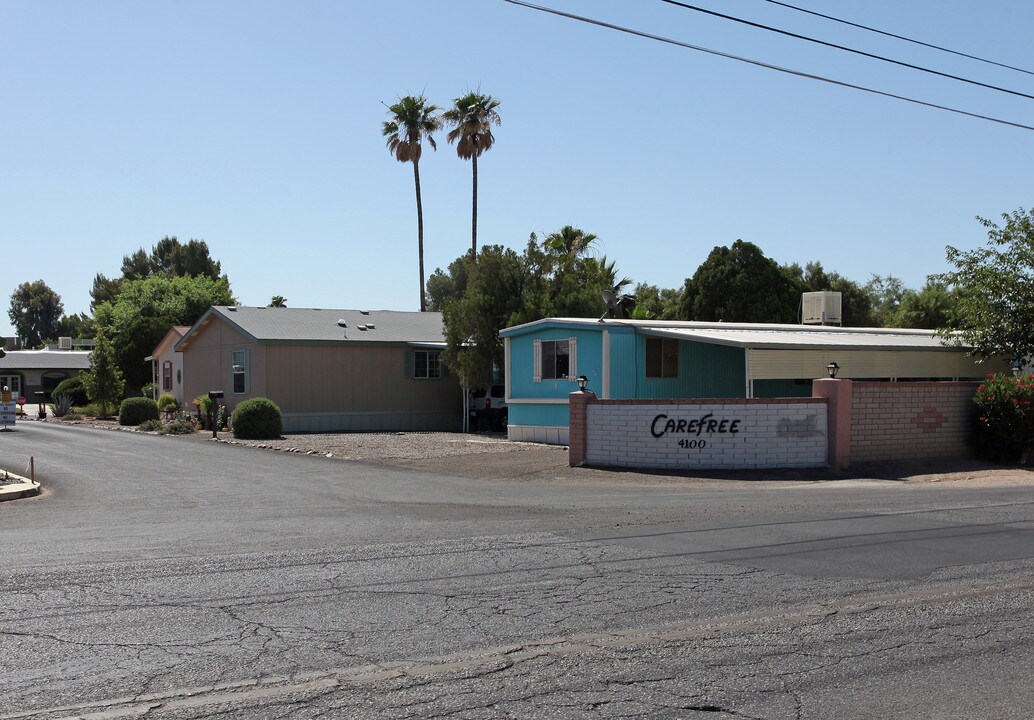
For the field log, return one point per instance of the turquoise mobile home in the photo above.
(650, 359)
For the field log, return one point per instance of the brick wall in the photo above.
(911, 420)
(703, 434)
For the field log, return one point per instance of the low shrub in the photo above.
(182, 424)
(152, 426)
(62, 405)
(256, 419)
(136, 410)
(89, 409)
(73, 415)
(73, 388)
(1005, 417)
(167, 403)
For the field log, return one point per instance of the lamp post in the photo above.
(832, 369)
(582, 382)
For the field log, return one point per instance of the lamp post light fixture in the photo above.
(582, 382)
(832, 369)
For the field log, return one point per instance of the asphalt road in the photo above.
(178, 578)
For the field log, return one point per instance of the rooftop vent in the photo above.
(232, 308)
(362, 327)
(371, 326)
(364, 312)
(342, 323)
(821, 308)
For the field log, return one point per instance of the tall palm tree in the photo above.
(472, 116)
(412, 119)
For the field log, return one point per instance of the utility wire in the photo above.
(694, 8)
(758, 63)
(899, 37)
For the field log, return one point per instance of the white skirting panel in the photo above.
(546, 434)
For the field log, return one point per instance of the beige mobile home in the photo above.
(328, 370)
(167, 365)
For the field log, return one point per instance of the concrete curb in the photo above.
(15, 487)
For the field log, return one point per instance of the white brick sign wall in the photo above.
(712, 435)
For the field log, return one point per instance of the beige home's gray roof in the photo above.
(767, 335)
(45, 360)
(312, 325)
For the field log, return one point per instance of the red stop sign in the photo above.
(21, 401)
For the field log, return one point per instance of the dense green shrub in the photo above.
(167, 403)
(256, 419)
(152, 426)
(73, 388)
(1005, 417)
(136, 410)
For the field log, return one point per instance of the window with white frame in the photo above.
(239, 369)
(556, 359)
(13, 382)
(167, 375)
(427, 365)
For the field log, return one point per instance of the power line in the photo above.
(899, 37)
(758, 63)
(694, 8)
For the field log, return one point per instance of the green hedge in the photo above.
(73, 388)
(256, 419)
(136, 410)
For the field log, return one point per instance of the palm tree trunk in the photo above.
(474, 219)
(420, 233)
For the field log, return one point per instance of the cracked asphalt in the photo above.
(173, 578)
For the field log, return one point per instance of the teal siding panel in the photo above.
(552, 415)
(705, 371)
(624, 366)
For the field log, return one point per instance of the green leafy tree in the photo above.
(476, 305)
(886, 294)
(103, 381)
(144, 310)
(168, 257)
(654, 303)
(35, 312)
(75, 326)
(278, 301)
(740, 284)
(994, 288)
(472, 117)
(104, 290)
(930, 307)
(412, 120)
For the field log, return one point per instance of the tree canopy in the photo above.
(35, 312)
(144, 310)
(740, 284)
(994, 290)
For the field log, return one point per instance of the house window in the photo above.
(427, 365)
(662, 358)
(14, 382)
(167, 375)
(239, 368)
(555, 359)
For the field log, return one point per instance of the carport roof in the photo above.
(315, 325)
(763, 335)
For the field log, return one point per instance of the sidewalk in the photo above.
(13, 487)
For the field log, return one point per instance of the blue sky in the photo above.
(255, 126)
